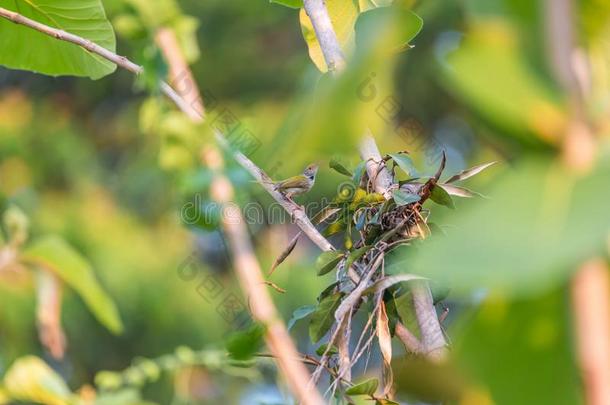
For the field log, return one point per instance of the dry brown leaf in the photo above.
(385, 346)
(274, 286)
(285, 253)
(48, 313)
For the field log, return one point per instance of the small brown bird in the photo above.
(299, 184)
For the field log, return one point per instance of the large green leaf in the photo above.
(244, 344)
(343, 14)
(24, 48)
(327, 261)
(540, 222)
(440, 196)
(367, 387)
(505, 337)
(406, 25)
(324, 317)
(405, 163)
(54, 254)
(491, 74)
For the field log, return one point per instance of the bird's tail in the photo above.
(273, 183)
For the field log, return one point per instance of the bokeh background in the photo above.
(107, 166)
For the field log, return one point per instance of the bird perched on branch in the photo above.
(299, 184)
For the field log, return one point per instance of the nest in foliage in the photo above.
(371, 226)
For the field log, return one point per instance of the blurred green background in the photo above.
(109, 168)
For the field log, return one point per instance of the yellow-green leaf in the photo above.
(31, 379)
(328, 261)
(440, 196)
(367, 387)
(400, 23)
(54, 254)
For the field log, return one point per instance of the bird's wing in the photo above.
(291, 182)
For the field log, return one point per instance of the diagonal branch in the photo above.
(246, 264)
(298, 214)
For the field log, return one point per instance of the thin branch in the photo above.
(297, 213)
(433, 340)
(248, 269)
(75, 39)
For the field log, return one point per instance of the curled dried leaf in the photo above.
(285, 253)
(385, 346)
(465, 174)
(274, 286)
(459, 191)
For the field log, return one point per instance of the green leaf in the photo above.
(399, 24)
(327, 261)
(339, 166)
(405, 163)
(406, 311)
(30, 379)
(324, 317)
(439, 292)
(539, 223)
(54, 254)
(25, 48)
(358, 173)
(404, 198)
(367, 387)
(534, 334)
(335, 227)
(356, 254)
(322, 349)
(289, 3)
(242, 345)
(522, 106)
(327, 291)
(440, 196)
(343, 14)
(300, 313)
